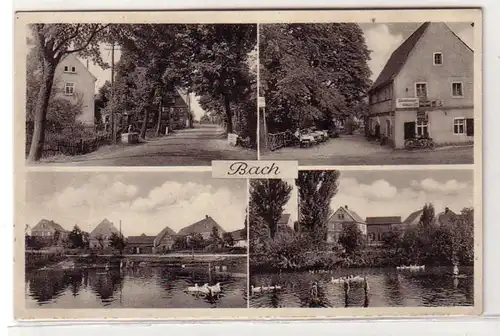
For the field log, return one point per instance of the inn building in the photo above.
(426, 88)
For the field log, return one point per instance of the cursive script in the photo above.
(243, 168)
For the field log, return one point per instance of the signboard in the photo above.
(402, 103)
(262, 102)
(421, 115)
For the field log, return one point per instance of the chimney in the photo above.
(206, 216)
(346, 207)
(446, 210)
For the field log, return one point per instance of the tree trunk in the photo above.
(158, 123)
(229, 116)
(42, 105)
(146, 115)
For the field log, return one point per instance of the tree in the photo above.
(76, 238)
(52, 43)
(311, 73)
(267, 198)
(117, 242)
(219, 61)
(462, 230)
(428, 215)
(351, 238)
(228, 239)
(316, 188)
(215, 239)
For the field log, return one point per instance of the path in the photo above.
(356, 150)
(189, 147)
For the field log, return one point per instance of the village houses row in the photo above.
(163, 242)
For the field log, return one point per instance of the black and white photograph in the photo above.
(367, 93)
(363, 239)
(135, 240)
(140, 94)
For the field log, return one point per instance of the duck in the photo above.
(256, 289)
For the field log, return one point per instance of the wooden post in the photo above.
(113, 126)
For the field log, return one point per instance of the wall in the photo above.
(376, 233)
(381, 101)
(336, 222)
(457, 65)
(84, 86)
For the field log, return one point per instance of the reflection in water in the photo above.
(434, 287)
(143, 287)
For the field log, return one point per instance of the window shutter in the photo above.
(470, 126)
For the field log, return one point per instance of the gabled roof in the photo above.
(383, 220)
(105, 228)
(166, 231)
(48, 224)
(142, 240)
(72, 56)
(351, 213)
(413, 216)
(285, 218)
(445, 218)
(204, 225)
(399, 57)
(239, 234)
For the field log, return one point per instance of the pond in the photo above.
(144, 287)
(432, 287)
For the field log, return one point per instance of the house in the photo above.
(76, 83)
(164, 241)
(49, 232)
(426, 88)
(378, 227)
(140, 244)
(240, 238)
(99, 238)
(203, 227)
(444, 218)
(343, 216)
(178, 103)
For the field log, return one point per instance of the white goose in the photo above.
(256, 289)
(216, 288)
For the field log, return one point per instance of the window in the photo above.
(66, 69)
(457, 90)
(69, 89)
(73, 69)
(422, 128)
(341, 215)
(421, 90)
(459, 126)
(438, 58)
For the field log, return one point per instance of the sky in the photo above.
(399, 193)
(383, 38)
(144, 202)
(292, 205)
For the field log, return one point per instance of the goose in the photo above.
(205, 289)
(256, 289)
(266, 288)
(276, 287)
(337, 281)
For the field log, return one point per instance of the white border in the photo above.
(466, 326)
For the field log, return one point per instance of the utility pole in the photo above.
(113, 127)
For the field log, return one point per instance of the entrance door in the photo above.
(409, 130)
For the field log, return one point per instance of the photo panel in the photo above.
(134, 240)
(140, 94)
(363, 239)
(379, 93)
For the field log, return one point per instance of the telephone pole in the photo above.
(113, 128)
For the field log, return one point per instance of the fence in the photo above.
(75, 147)
(278, 140)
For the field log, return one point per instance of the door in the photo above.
(470, 126)
(409, 128)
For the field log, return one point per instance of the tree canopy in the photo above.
(311, 73)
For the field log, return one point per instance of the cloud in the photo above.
(382, 43)
(448, 187)
(141, 209)
(382, 198)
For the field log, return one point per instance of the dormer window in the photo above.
(438, 58)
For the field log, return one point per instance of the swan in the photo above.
(256, 289)
(216, 288)
(194, 288)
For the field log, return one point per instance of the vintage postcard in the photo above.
(216, 165)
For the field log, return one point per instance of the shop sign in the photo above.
(421, 115)
(402, 103)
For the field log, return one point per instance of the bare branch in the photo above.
(86, 44)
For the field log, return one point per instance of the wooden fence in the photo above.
(279, 140)
(73, 147)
